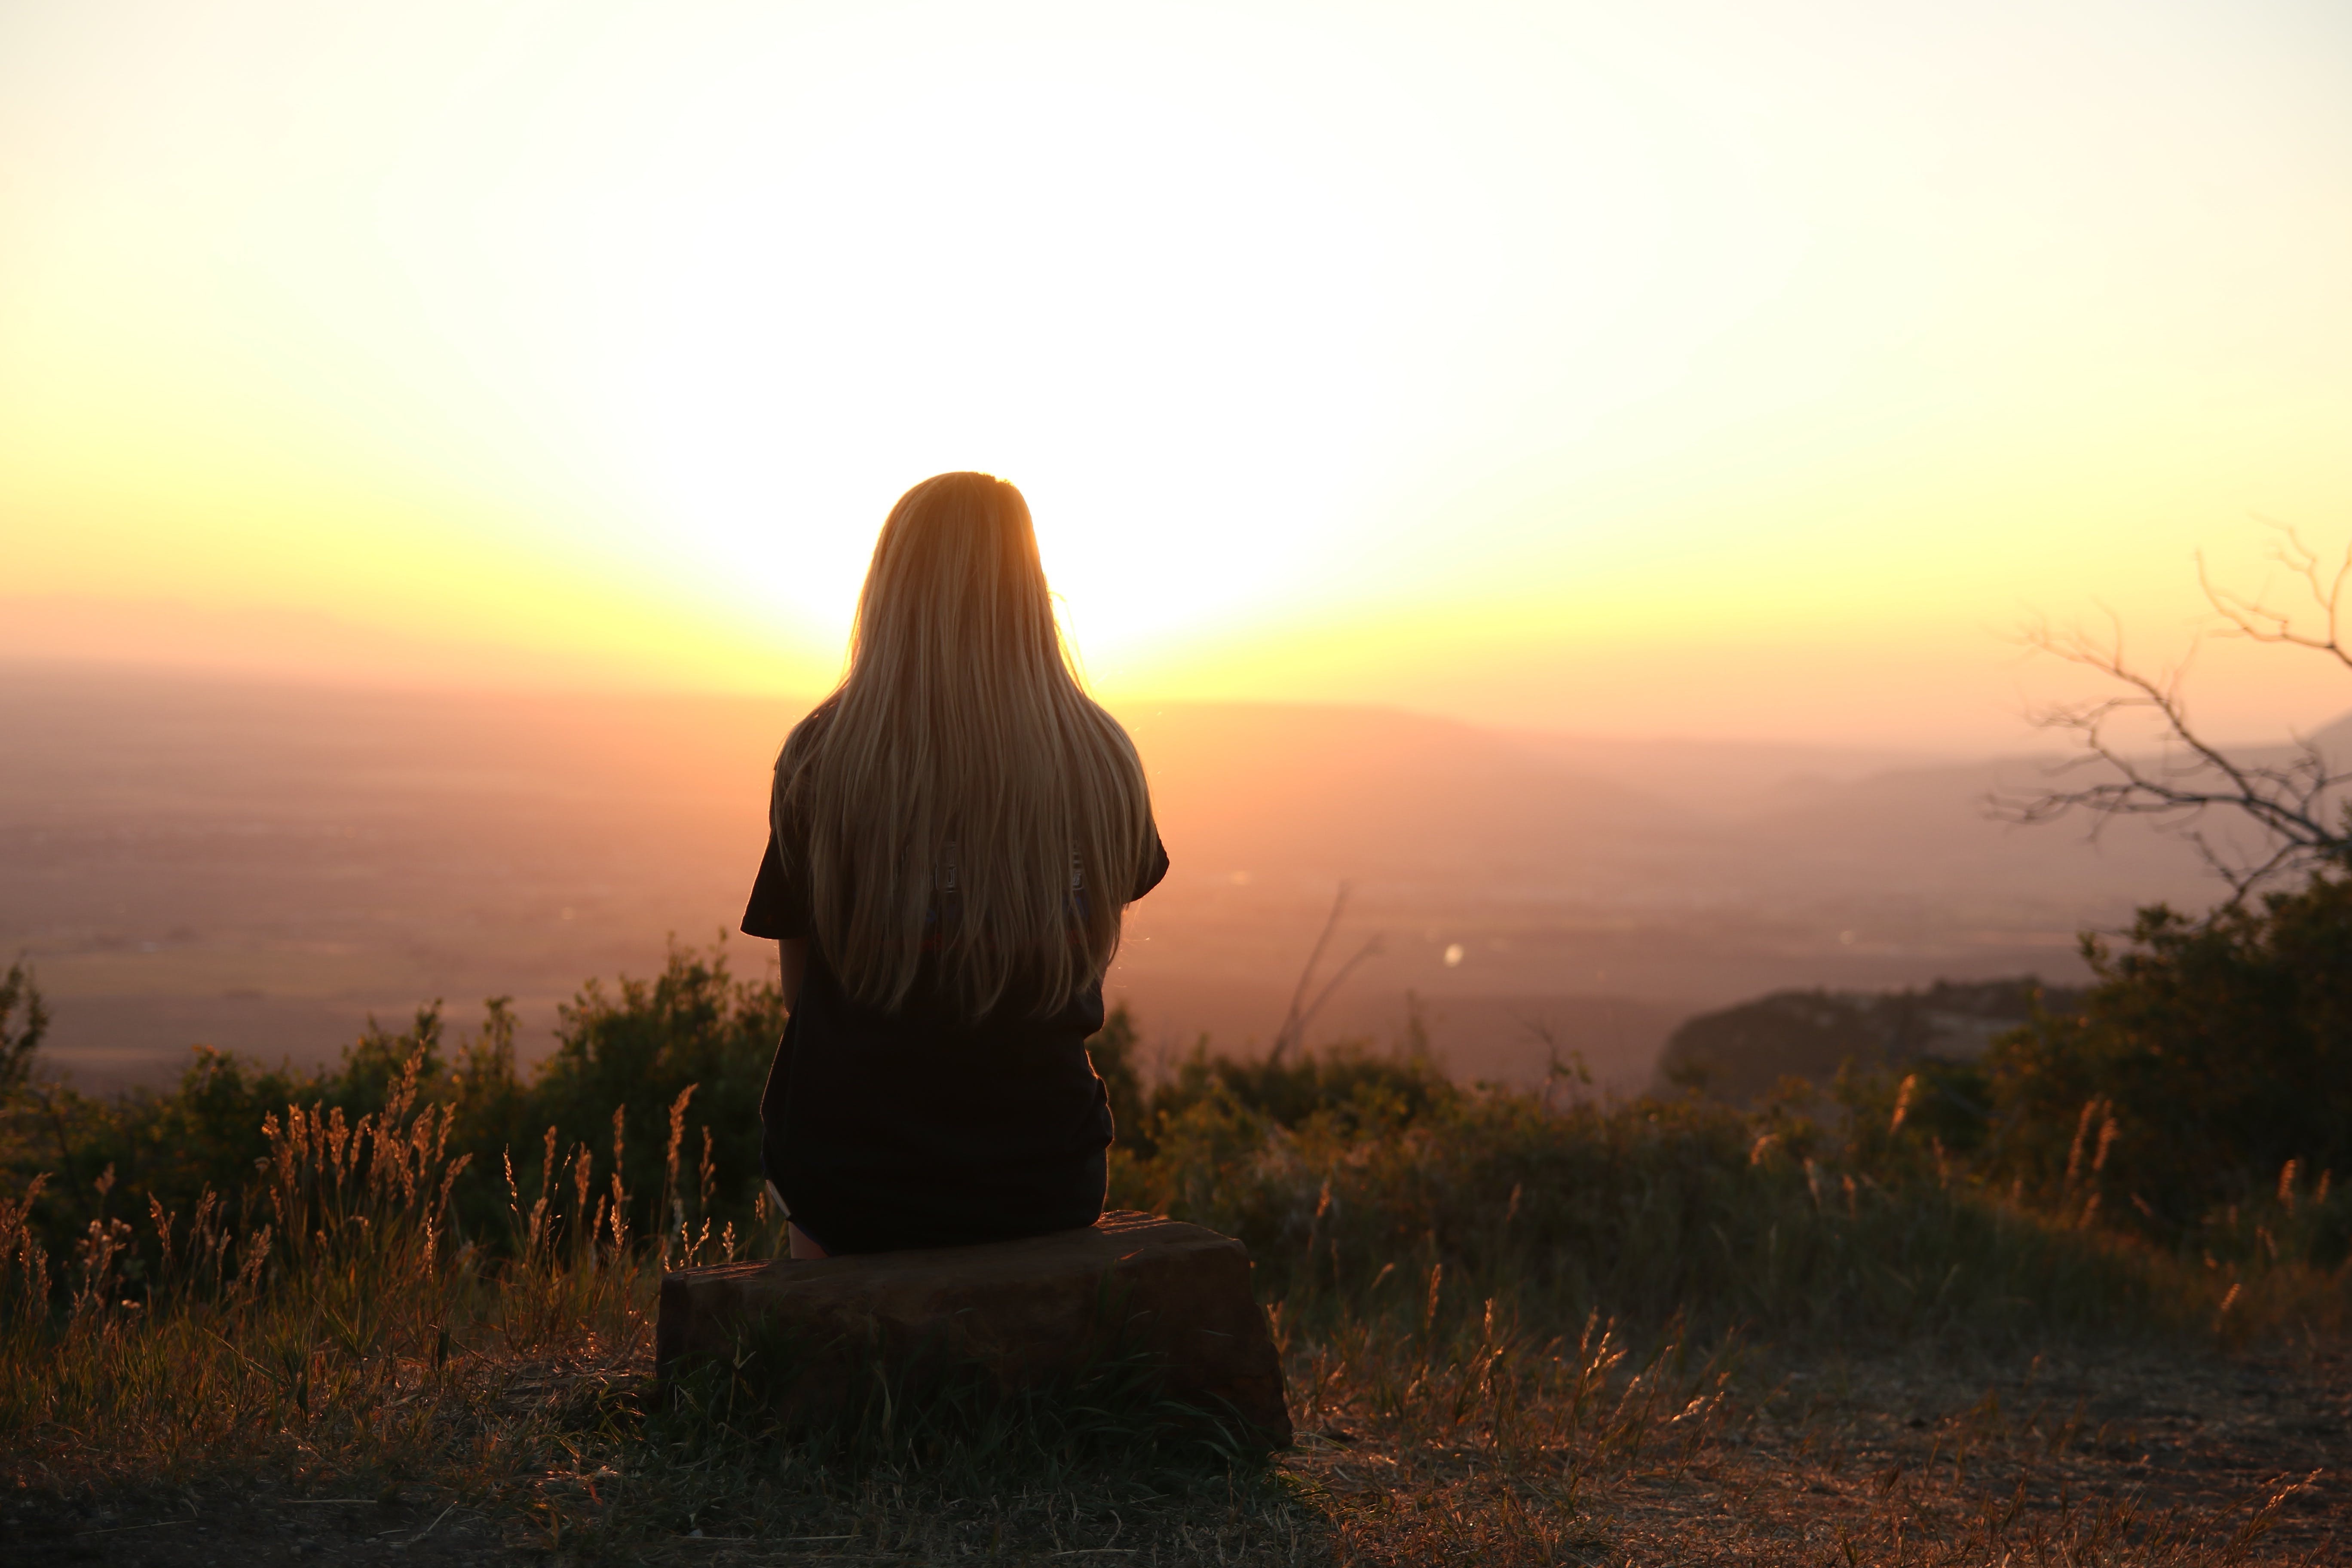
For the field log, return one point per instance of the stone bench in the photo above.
(1023, 1313)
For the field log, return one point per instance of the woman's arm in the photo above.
(792, 960)
(792, 964)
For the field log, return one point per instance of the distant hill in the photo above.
(1328, 792)
(1739, 1054)
(261, 867)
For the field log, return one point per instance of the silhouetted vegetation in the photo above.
(2201, 1094)
(1348, 1087)
(657, 1072)
(2200, 1097)
(2296, 800)
(23, 1021)
(428, 1263)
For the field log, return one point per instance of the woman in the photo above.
(952, 837)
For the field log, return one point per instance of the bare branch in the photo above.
(2256, 621)
(1302, 1012)
(2186, 779)
(1297, 1036)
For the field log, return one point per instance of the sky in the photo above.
(1731, 369)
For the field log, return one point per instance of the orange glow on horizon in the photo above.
(1694, 370)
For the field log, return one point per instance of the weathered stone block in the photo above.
(1023, 1313)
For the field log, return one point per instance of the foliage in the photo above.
(1645, 1212)
(94, 1161)
(319, 1311)
(2211, 1066)
(1348, 1084)
(664, 1074)
(2198, 1095)
(1884, 1203)
(1474, 1282)
(693, 1043)
(18, 1041)
(1116, 1051)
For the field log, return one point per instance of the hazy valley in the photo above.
(260, 867)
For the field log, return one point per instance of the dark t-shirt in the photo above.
(919, 1127)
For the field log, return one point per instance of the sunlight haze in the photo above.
(1735, 369)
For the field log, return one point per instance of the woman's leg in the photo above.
(804, 1246)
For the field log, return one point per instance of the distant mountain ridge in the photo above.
(188, 857)
(1740, 1054)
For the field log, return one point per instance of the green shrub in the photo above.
(2213, 1054)
(1951, 1196)
(666, 1074)
(19, 1040)
(1349, 1082)
(1644, 1211)
(644, 1045)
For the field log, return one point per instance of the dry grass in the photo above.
(1415, 1447)
(1912, 1458)
(327, 1376)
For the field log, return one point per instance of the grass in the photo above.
(1513, 1331)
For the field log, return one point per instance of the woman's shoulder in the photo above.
(806, 733)
(1107, 725)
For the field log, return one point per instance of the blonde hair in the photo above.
(966, 805)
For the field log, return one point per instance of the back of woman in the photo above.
(953, 834)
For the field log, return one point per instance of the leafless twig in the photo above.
(1302, 1012)
(2293, 803)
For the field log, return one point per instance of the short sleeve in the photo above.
(1155, 866)
(779, 906)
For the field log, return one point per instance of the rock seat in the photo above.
(1023, 1313)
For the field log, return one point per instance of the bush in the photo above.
(655, 1082)
(1349, 1083)
(18, 1041)
(1956, 1195)
(1645, 1211)
(2211, 1067)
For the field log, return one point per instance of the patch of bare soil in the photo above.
(2122, 1457)
(2115, 1458)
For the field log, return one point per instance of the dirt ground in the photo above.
(2123, 1459)
(2114, 1458)
(252, 1525)
(2210, 1460)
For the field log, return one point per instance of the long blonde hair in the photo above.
(966, 805)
